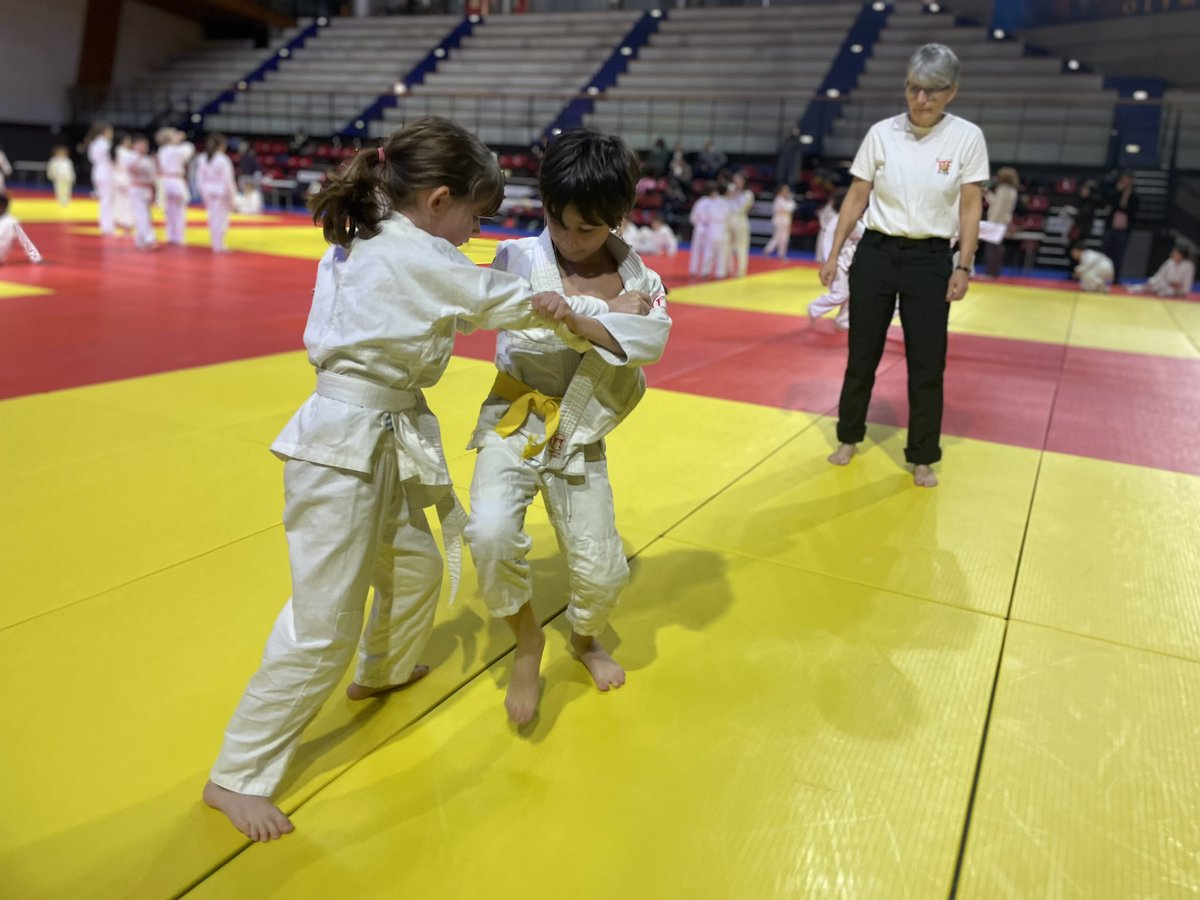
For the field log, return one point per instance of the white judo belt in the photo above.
(417, 457)
(574, 402)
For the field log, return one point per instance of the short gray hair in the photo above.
(933, 65)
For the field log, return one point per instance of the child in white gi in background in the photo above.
(61, 172)
(363, 455)
(173, 155)
(1093, 269)
(214, 178)
(838, 296)
(708, 217)
(1174, 278)
(827, 218)
(99, 154)
(123, 158)
(737, 226)
(658, 239)
(11, 231)
(250, 200)
(542, 428)
(143, 176)
(782, 210)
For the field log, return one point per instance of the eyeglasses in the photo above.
(933, 93)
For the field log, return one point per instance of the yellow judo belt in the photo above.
(524, 400)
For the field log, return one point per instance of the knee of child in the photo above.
(601, 571)
(493, 536)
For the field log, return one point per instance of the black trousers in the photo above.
(918, 271)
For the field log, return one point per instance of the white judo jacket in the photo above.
(599, 388)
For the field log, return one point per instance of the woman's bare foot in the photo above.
(605, 671)
(254, 816)
(525, 683)
(843, 454)
(923, 476)
(356, 691)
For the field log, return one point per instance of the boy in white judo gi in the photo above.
(363, 459)
(838, 295)
(542, 428)
(1174, 278)
(708, 217)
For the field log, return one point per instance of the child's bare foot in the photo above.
(605, 671)
(254, 816)
(923, 476)
(356, 691)
(843, 454)
(525, 683)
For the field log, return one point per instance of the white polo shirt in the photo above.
(916, 179)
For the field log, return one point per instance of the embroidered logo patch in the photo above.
(944, 166)
(556, 444)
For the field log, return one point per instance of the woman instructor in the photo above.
(918, 177)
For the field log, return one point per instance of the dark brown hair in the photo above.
(426, 153)
(214, 142)
(597, 172)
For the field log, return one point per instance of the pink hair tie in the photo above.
(380, 154)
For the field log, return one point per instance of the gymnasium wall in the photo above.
(39, 52)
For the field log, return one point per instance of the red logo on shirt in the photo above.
(944, 166)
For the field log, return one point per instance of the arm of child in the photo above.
(556, 308)
(641, 338)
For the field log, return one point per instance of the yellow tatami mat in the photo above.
(825, 748)
(1111, 553)
(1089, 786)
(863, 523)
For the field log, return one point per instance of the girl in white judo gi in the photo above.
(99, 154)
(838, 296)
(11, 232)
(143, 177)
(542, 428)
(362, 457)
(1174, 278)
(214, 178)
(174, 151)
(737, 227)
(123, 157)
(61, 172)
(708, 216)
(782, 209)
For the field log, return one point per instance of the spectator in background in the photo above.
(249, 168)
(61, 172)
(1001, 204)
(1174, 278)
(679, 172)
(1123, 208)
(709, 161)
(658, 159)
(790, 162)
(1085, 207)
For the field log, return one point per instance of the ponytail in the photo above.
(425, 154)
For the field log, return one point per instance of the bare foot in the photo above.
(525, 683)
(923, 476)
(843, 454)
(605, 671)
(254, 816)
(356, 691)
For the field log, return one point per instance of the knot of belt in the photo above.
(523, 400)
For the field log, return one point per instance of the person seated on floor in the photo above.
(1174, 277)
(1093, 269)
(11, 231)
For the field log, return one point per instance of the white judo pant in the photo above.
(140, 200)
(737, 247)
(781, 236)
(346, 532)
(708, 251)
(837, 298)
(102, 184)
(175, 200)
(1096, 284)
(219, 208)
(581, 511)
